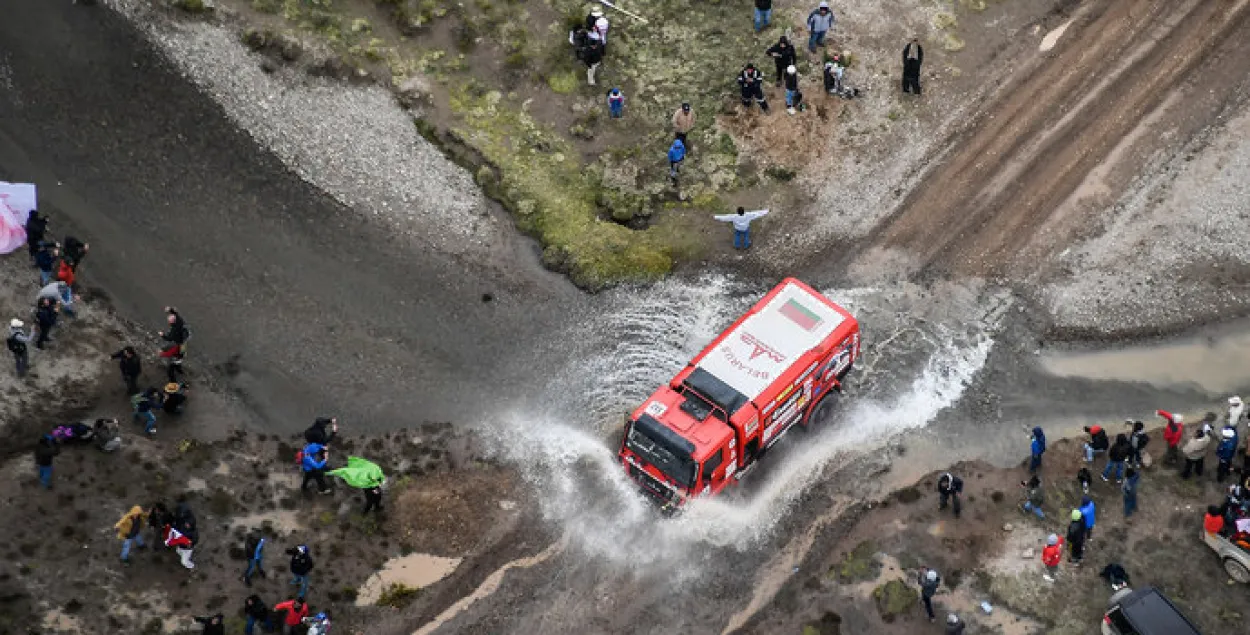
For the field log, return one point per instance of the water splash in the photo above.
(565, 448)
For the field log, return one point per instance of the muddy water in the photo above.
(914, 366)
(416, 571)
(1217, 364)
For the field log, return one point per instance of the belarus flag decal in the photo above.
(800, 315)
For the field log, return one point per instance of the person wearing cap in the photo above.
(1051, 554)
(792, 87)
(1097, 444)
(597, 24)
(683, 123)
(16, 341)
(616, 103)
(954, 625)
(175, 398)
(593, 17)
(1077, 534)
(1195, 452)
(763, 14)
(818, 23)
(913, 57)
(751, 82)
(1131, 478)
(1236, 410)
(783, 55)
(1173, 432)
(591, 54)
(929, 581)
(1225, 451)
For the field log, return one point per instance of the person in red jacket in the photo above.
(1173, 432)
(180, 544)
(1051, 555)
(294, 611)
(1213, 522)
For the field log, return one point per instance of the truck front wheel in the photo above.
(1236, 571)
(822, 413)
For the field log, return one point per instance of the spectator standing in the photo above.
(1130, 491)
(1089, 512)
(130, 530)
(256, 612)
(751, 83)
(254, 546)
(950, 487)
(913, 57)
(742, 225)
(36, 229)
(158, 517)
(1173, 432)
(1137, 441)
(591, 55)
(294, 611)
(1076, 538)
(1097, 443)
(676, 154)
(60, 293)
(616, 103)
(373, 498)
(45, 320)
(17, 342)
(301, 566)
(75, 251)
(46, 260)
(1119, 453)
(783, 55)
(763, 14)
(1037, 447)
(1236, 410)
(818, 23)
(313, 462)
(131, 367)
(1051, 554)
(1225, 451)
(929, 581)
(1034, 496)
(683, 123)
(1195, 452)
(792, 88)
(45, 451)
(322, 431)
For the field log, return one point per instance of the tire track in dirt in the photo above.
(1029, 152)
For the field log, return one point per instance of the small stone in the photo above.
(1027, 554)
(507, 505)
(1008, 527)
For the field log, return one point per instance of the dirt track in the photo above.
(1069, 127)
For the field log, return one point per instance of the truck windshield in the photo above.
(664, 449)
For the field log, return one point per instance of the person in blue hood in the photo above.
(1087, 514)
(1038, 448)
(1225, 451)
(313, 462)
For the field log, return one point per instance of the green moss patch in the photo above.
(859, 565)
(894, 598)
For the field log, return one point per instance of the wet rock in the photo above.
(1008, 527)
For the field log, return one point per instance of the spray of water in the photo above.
(644, 337)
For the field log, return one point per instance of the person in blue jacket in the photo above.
(1088, 510)
(1038, 448)
(313, 462)
(1225, 451)
(676, 154)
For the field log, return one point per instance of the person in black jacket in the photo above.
(158, 517)
(256, 611)
(763, 14)
(45, 451)
(45, 319)
(1120, 452)
(913, 57)
(131, 367)
(36, 229)
(75, 251)
(1077, 533)
(591, 54)
(301, 566)
(783, 56)
(213, 624)
(950, 487)
(751, 81)
(322, 430)
(176, 351)
(46, 260)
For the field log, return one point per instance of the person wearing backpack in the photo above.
(301, 566)
(676, 154)
(254, 547)
(1137, 441)
(131, 367)
(17, 341)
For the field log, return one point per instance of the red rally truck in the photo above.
(780, 364)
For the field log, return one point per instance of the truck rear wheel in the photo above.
(1236, 571)
(822, 413)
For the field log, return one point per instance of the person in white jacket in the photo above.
(742, 225)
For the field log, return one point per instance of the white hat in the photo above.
(823, 5)
(16, 323)
(1228, 433)
(1234, 400)
(931, 575)
(791, 69)
(596, 12)
(952, 619)
(1178, 418)
(1052, 539)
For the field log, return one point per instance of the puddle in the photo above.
(489, 586)
(283, 520)
(1213, 364)
(1052, 38)
(417, 570)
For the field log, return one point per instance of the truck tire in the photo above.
(822, 412)
(1236, 571)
